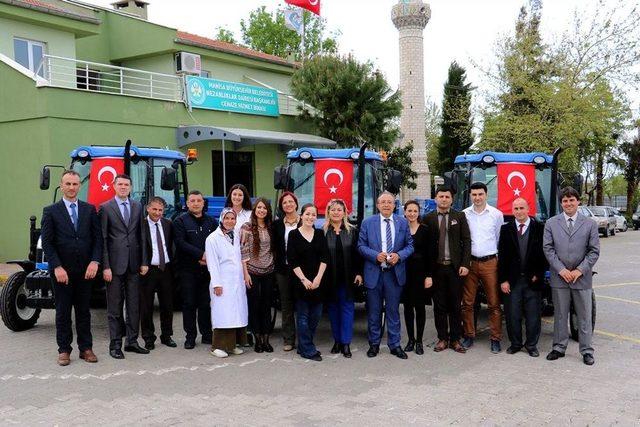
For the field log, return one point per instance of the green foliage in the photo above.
(352, 102)
(432, 119)
(399, 158)
(457, 136)
(266, 32)
(225, 35)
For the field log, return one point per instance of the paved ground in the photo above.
(173, 386)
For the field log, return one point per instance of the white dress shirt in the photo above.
(155, 257)
(485, 230)
(67, 203)
(526, 225)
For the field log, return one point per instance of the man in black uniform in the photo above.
(190, 230)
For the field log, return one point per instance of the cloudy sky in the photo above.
(461, 30)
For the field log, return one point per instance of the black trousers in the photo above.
(154, 281)
(194, 283)
(76, 295)
(123, 288)
(447, 299)
(528, 302)
(260, 296)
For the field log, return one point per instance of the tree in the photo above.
(352, 102)
(266, 32)
(631, 169)
(432, 119)
(457, 124)
(225, 35)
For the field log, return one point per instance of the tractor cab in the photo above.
(533, 176)
(319, 175)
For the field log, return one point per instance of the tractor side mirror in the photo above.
(280, 174)
(578, 183)
(45, 178)
(394, 181)
(168, 179)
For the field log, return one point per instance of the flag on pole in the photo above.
(293, 20)
(311, 5)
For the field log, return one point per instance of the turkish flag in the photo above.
(516, 180)
(101, 176)
(334, 180)
(310, 5)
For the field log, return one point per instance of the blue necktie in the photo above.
(74, 216)
(126, 215)
(389, 236)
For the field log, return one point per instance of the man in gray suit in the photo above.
(124, 251)
(572, 246)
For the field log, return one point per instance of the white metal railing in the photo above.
(95, 77)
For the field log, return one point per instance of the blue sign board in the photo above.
(212, 94)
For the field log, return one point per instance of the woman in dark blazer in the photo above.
(288, 209)
(344, 272)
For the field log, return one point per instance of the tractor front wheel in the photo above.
(15, 313)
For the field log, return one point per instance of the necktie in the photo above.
(521, 229)
(162, 262)
(570, 225)
(126, 214)
(389, 236)
(443, 236)
(74, 216)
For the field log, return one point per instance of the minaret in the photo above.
(410, 18)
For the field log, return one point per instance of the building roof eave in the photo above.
(51, 10)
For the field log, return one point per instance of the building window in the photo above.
(205, 73)
(29, 54)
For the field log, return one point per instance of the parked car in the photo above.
(606, 220)
(586, 212)
(621, 221)
(635, 218)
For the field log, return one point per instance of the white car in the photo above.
(605, 219)
(621, 221)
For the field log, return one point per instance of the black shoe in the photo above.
(399, 353)
(258, 347)
(135, 348)
(373, 351)
(495, 347)
(168, 342)
(206, 340)
(411, 345)
(189, 344)
(250, 342)
(346, 351)
(337, 348)
(419, 348)
(316, 357)
(116, 353)
(533, 352)
(266, 346)
(588, 359)
(513, 349)
(149, 345)
(554, 355)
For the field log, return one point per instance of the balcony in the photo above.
(94, 77)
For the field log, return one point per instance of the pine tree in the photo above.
(457, 136)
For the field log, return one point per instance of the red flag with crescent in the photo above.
(103, 172)
(333, 180)
(310, 5)
(516, 180)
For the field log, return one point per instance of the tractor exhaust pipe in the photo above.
(127, 157)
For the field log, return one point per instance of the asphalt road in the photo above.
(173, 386)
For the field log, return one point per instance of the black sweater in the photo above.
(308, 256)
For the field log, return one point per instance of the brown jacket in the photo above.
(459, 240)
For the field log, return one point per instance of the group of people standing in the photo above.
(227, 271)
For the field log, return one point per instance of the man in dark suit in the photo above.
(72, 243)
(159, 238)
(521, 269)
(449, 258)
(385, 243)
(190, 231)
(124, 258)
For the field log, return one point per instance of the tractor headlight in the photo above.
(305, 155)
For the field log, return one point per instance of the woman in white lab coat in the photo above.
(229, 314)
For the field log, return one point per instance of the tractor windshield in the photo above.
(489, 176)
(138, 178)
(302, 176)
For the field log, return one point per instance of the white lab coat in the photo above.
(225, 266)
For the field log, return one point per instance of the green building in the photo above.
(75, 74)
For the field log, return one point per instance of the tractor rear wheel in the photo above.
(13, 304)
